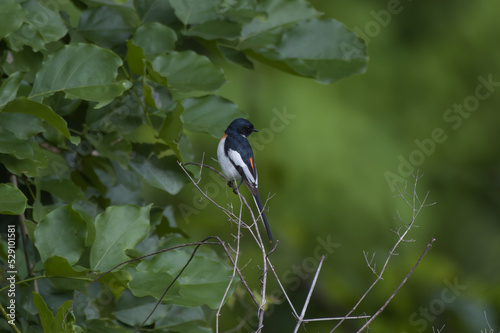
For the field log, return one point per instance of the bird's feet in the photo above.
(231, 185)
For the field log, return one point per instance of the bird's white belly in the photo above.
(227, 167)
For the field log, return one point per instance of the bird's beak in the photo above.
(254, 130)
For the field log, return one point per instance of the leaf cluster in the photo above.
(96, 97)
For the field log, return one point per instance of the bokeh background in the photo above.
(326, 169)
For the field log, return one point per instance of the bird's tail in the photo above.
(256, 198)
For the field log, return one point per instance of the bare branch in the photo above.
(306, 303)
(412, 203)
(205, 241)
(255, 234)
(398, 288)
(334, 318)
(369, 263)
(489, 329)
(439, 330)
(235, 270)
(282, 288)
(172, 283)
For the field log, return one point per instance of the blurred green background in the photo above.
(326, 165)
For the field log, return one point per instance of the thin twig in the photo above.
(398, 288)
(333, 318)
(369, 263)
(260, 243)
(201, 165)
(282, 288)
(255, 234)
(306, 303)
(415, 212)
(7, 319)
(489, 329)
(228, 213)
(235, 269)
(245, 284)
(171, 284)
(205, 241)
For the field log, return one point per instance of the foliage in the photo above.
(95, 100)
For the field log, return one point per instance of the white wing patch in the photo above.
(235, 157)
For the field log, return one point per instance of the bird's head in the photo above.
(242, 126)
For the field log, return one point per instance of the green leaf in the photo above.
(155, 11)
(143, 134)
(132, 311)
(185, 319)
(162, 173)
(117, 229)
(171, 130)
(61, 105)
(81, 71)
(157, 96)
(19, 148)
(42, 25)
(20, 126)
(9, 87)
(47, 22)
(323, 49)
(263, 33)
(46, 316)
(113, 147)
(188, 73)
(12, 200)
(51, 324)
(104, 325)
(155, 39)
(26, 61)
(11, 16)
(235, 56)
(123, 115)
(199, 115)
(23, 105)
(61, 188)
(103, 94)
(43, 163)
(203, 282)
(59, 266)
(104, 26)
(194, 11)
(135, 58)
(61, 233)
(215, 30)
(152, 283)
(117, 282)
(67, 327)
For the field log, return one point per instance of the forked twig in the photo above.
(306, 303)
(415, 211)
(398, 288)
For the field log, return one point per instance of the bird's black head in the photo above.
(241, 126)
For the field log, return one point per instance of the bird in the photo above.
(236, 160)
